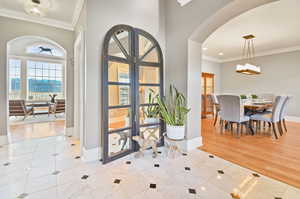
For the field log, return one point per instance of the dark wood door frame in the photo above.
(134, 61)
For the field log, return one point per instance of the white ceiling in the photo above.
(62, 14)
(275, 25)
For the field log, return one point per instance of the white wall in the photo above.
(214, 68)
(280, 75)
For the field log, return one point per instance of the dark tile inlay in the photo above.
(235, 196)
(128, 162)
(159, 152)
(23, 195)
(70, 136)
(156, 165)
(184, 154)
(73, 144)
(55, 172)
(187, 168)
(192, 191)
(117, 181)
(153, 186)
(277, 198)
(6, 164)
(211, 156)
(55, 154)
(84, 177)
(256, 175)
(77, 157)
(220, 171)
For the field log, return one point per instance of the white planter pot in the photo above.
(151, 120)
(176, 132)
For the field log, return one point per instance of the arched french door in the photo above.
(132, 70)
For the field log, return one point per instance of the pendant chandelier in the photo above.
(249, 68)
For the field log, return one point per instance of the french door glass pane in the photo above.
(118, 72)
(144, 45)
(145, 115)
(152, 56)
(149, 75)
(118, 95)
(118, 142)
(152, 132)
(114, 49)
(123, 37)
(119, 118)
(144, 92)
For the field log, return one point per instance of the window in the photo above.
(14, 79)
(44, 79)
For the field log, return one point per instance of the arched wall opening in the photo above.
(36, 67)
(194, 61)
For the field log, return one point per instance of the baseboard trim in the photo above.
(3, 140)
(69, 131)
(293, 119)
(90, 155)
(194, 143)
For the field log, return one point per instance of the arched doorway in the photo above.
(132, 72)
(36, 69)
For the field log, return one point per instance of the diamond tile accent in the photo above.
(128, 162)
(73, 144)
(211, 156)
(187, 168)
(77, 157)
(55, 154)
(55, 172)
(277, 198)
(156, 165)
(84, 177)
(220, 171)
(6, 164)
(256, 175)
(117, 181)
(192, 191)
(159, 152)
(153, 186)
(184, 154)
(21, 196)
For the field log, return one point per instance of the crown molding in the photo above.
(261, 54)
(77, 12)
(45, 21)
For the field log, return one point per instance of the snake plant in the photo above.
(152, 110)
(173, 108)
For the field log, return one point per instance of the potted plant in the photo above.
(151, 112)
(173, 111)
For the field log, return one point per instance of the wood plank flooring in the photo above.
(19, 132)
(278, 159)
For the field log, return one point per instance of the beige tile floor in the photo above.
(50, 168)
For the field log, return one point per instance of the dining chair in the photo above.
(216, 105)
(232, 111)
(283, 113)
(273, 117)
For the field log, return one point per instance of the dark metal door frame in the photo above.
(134, 61)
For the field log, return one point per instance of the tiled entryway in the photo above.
(51, 168)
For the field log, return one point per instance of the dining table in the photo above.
(255, 106)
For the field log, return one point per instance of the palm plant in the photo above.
(173, 108)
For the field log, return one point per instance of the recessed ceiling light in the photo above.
(204, 48)
(221, 54)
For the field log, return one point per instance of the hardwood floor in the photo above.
(20, 132)
(278, 159)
